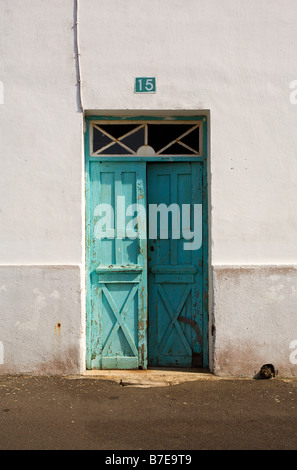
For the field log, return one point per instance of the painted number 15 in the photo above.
(145, 85)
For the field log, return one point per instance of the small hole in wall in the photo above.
(267, 371)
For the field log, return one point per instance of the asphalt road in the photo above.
(47, 413)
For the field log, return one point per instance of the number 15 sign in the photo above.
(145, 85)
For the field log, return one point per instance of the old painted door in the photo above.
(117, 266)
(175, 266)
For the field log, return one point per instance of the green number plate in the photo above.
(145, 85)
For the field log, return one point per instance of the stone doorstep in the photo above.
(157, 377)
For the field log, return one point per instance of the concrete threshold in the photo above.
(155, 377)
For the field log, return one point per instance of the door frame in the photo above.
(202, 157)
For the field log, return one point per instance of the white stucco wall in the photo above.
(40, 320)
(231, 59)
(234, 58)
(41, 135)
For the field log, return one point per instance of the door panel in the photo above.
(175, 271)
(117, 267)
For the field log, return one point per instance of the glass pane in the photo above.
(99, 139)
(161, 135)
(192, 140)
(115, 149)
(135, 140)
(177, 149)
(117, 130)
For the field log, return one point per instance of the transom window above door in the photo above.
(146, 139)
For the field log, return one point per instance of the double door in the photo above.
(145, 265)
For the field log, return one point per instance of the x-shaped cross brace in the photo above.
(120, 319)
(174, 319)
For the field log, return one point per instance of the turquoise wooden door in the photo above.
(175, 267)
(117, 266)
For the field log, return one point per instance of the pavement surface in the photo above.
(107, 412)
